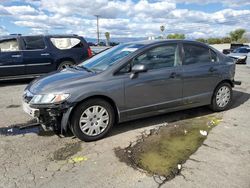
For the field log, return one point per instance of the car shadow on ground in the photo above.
(239, 98)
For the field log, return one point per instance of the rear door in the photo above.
(37, 56)
(200, 73)
(11, 58)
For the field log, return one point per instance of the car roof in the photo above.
(159, 41)
(244, 47)
(49, 35)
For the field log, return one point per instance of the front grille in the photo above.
(27, 96)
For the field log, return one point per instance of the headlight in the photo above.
(49, 98)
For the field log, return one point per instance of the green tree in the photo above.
(237, 35)
(214, 41)
(226, 40)
(176, 36)
(201, 40)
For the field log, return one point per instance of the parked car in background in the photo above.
(131, 81)
(32, 56)
(234, 46)
(240, 54)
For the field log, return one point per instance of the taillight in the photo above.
(89, 52)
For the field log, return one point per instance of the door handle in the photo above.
(212, 69)
(16, 56)
(173, 75)
(45, 54)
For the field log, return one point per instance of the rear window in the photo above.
(195, 54)
(66, 43)
(34, 42)
(10, 45)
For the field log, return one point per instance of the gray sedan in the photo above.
(240, 54)
(131, 81)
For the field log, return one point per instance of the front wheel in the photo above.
(222, 97)
(92, 120)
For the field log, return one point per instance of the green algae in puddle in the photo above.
(161, 152)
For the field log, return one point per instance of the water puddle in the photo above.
(163, 151)
(67, 151)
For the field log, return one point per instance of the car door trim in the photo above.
(10, 66)
(37, 64)
(151, 105)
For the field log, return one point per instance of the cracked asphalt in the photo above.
(28, 160)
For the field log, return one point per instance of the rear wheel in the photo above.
(222, 97)
(92, 120)
(65, 64)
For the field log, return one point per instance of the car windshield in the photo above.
(109, 57)
(236, 50)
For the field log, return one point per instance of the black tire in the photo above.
(75, 125)
(64, 64)
(214, 104)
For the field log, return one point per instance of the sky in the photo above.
(124, 18)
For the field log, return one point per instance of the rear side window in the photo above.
(34, 42)
(66, 43)
(10, 45)
(195, 54)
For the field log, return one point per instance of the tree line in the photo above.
(236, 36)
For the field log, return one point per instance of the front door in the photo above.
(11, 59)
(160, 87)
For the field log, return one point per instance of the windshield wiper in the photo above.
(82, 67)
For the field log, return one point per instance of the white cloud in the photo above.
(227, 3)
(21, 10)
(3, 31)
(124, 18)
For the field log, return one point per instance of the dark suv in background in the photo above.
(31, 56)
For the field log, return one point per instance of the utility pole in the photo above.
(97, 29)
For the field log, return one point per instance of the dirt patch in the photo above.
(162, 152)
(67, 151)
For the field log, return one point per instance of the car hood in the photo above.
(59, 81)
(237, 55)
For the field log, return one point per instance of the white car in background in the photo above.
(240, 54)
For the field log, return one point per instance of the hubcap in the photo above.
(64, 66)
(94, 120)
(223, 96)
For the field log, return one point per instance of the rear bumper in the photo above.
(236, 82)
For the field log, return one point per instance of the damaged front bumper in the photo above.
(52, 116)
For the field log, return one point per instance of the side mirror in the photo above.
(138, 69)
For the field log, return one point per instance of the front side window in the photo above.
(10, 45)
(195, 54)
(34, 42)
(66, 43)
(243, 50)
(159, 57)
